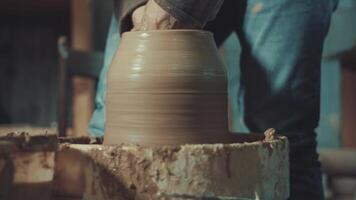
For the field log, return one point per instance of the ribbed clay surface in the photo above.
(166, 87)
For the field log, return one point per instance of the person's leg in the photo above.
(97, 122)
(282, 44)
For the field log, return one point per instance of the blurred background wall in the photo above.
(28, 60)
(29, 31)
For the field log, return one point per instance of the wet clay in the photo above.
(166, 87)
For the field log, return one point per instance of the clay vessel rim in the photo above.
(168, 31)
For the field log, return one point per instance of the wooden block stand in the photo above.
(253, 170)
(27, 166)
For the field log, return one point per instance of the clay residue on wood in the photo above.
(75, 140)
(28, 165)
(80, 140)
(24, 141)
(128, 168)
(270, 134)
(138, 172)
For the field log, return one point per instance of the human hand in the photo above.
(152, 17)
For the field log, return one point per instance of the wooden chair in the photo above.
(347, 61)
(339, 167)
(74, 63)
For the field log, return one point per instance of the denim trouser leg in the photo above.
(97, 122)
(282, 44)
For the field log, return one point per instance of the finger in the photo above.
(156, 16)
(173, 21)
(137, 17)
(165, 23)
(149, 18)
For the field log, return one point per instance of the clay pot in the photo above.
(166, 87)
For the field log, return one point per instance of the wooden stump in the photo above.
(27, 166)
(253, 170)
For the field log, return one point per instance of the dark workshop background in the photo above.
(29, 58)
(29, 31)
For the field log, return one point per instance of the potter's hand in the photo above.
(152, 17)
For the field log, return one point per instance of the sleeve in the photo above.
(196, 12)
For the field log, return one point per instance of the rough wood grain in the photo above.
(83, 88)
(256, 170)
(27, 166)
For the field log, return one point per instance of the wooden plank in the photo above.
(83, 88)
(28, 163)
(348, 125)
(81, 12)
(83, 104)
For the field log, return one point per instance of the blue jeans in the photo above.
(97, 122)
(282, 42)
